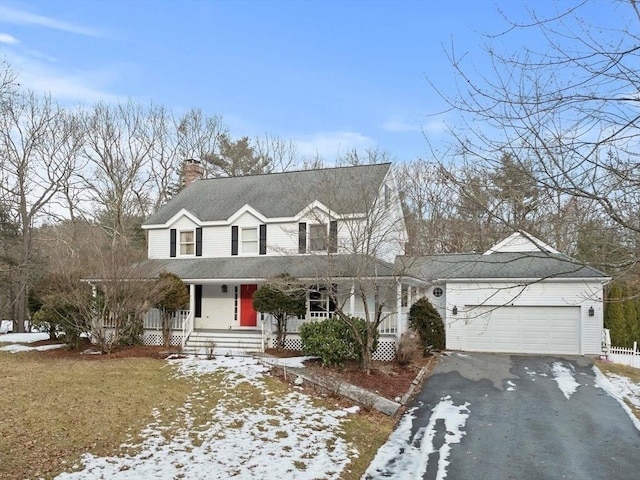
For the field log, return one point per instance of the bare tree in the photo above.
(39, 143)
(354, 253)
(568, 110)
(119, 146)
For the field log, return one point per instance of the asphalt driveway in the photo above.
(492, 416)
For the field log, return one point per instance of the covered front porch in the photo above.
(221, 313)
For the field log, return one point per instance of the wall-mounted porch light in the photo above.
(224, 289)
(454, 310)
(592, 312)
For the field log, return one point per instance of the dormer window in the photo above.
(317, 237)
(187, 242)
(249, 241)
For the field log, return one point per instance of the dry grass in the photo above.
(56, 409)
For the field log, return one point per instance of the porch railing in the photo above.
(187, 328)
(389, 324)
(152, 320)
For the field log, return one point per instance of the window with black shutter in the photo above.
(263, 239)
(333, 236)
(302, 237)
(234, 240)
(198, 242)
(172, 242)
(198, 312)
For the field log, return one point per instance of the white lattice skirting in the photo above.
(154, 337)
(386, 350)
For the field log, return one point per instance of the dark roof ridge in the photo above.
(288, 172)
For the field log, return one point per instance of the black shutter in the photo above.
(234, 240)
(263, 239)
(199, 242)
(172, 242)
(333, 236)
(302, 237)
(198, 312)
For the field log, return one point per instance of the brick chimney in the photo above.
(193, 170)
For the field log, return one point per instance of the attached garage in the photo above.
(527, 329)
(521, 296)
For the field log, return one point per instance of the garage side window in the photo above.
(438, 292)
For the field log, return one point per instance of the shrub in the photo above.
(408, 346)
(425, 319)
(333, 341)
(131, 332)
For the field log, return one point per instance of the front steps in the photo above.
(237, 342)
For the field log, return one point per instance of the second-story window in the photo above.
(249, 240)
(187, 242)
(317, 237)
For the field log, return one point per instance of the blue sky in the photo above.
(330, 75)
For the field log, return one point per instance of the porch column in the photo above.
(399, 323)
(352, 300)
(192, 302)
(409, 297)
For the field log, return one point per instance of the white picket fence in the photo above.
(621, 355)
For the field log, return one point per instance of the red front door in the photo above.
(248, 316)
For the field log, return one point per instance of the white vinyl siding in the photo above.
(217, 308)
(524, 309)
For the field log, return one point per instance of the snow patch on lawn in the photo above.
(287, 437)
(24, 348)
(406, 457)
(621, 388)
(23, 337)
(565, 379)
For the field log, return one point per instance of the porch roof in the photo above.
(262, 267)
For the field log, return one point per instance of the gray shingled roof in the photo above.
(497, 265)
(344, 189)
(303, 267)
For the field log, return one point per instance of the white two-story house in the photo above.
(336, 228)
(341, 231)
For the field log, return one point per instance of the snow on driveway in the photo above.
(565, 379)
(287, 438)
(404, 457)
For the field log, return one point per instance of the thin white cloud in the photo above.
(331, 144)
(8, 39)
(63, 85)
(20, 17)
(434, 126)
(399, 125)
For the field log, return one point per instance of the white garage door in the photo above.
(523, 330)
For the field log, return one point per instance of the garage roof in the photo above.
(532, 265)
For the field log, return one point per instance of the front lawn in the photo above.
(179, 417)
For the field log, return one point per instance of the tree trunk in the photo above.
(166, 326)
